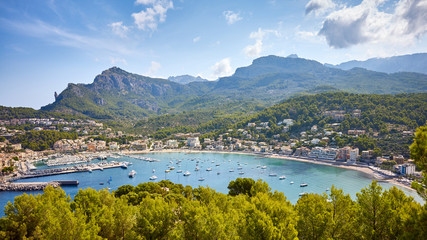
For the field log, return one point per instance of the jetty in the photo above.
(147, 159)
(36, 186)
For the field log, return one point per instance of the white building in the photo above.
(193, 142)
(407, 169)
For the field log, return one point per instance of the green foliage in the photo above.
(8, 113)
(41, 140)
(419, 153)
(165, 210)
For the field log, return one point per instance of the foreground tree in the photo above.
(419, 153)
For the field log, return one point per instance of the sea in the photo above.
(216, 170)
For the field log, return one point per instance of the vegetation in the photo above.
(41, 140)
(7, 113)
(419, 154)
(166, 210)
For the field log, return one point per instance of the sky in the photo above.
(46, 44)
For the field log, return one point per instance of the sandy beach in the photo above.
(365, 169)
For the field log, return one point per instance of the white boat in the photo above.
(292, 182)
(231, 170)
(187, 173)
(302, 194)
(209, 169)
(153, 177)
(172, 168)
(132, 173)
(239, 168)
(124, 165)
(154, 170)
(327, 189)
(282, 178)
(197, 169)
(303, 185)
(89, 170)
(263, 167)
(167, 171)
(272, 174)
(201, 179)
(179, 171)
(241, 173)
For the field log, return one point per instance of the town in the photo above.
(315, 144)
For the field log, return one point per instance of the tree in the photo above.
(419, 154)
(315, 217)
(343, 211)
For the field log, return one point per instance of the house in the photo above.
(139, 145)
(173, 143)
(114, 146)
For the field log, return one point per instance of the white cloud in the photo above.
(149, 18)
(255, 49)
(196, 39)
(366, 23)
(119, 29)
(319, 7)
(61, 37)
(231, 17)
(155, 66)
(115, 60)
(222, 68)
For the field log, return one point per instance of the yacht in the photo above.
(272, 174)
(209, 169)
(179, 171)
(187, 173)
(201, 179)
(172, 168)
(302, 194)
(241, 173)
(124, 165)
(292, 182)
(303, 185)
(263, 167)
(231, 170)
(282, 178)
(153, 177)
(132, 173)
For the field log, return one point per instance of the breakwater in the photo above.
(35, 186)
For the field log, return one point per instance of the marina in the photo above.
(317, 177)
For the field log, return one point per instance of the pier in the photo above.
(36, 186)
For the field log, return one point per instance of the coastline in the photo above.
(364, 169)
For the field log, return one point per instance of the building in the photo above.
(172, 143)
(193, 142)
(407, 169)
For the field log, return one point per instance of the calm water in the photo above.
(318, 177)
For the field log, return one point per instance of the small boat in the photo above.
(89, 170)
(258, 166)
(218, 173)
(124, 166)
(154, 170)
(111, 179)
(241, 173)
(263, 167)
(217, 164)
(172, 168)
(303, 185)
(327, 189)
(282, 178)
(153, 177)
(179, 171)
(101, 183)
(209, 169)
(167, 171)
(201, 179)
(292, 182)
(101, 168)
(187, 173)
(302, 194)
(231, 170)
(132, 173)
(239, 168)
(197, 169)
(272, 174)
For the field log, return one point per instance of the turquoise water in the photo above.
(318, 177)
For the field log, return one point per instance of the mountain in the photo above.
(405, 63)
(184, 79)
(117, 94)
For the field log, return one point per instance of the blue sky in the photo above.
(45, 45)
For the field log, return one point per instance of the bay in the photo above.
(225, 168)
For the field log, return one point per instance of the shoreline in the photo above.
(364, 169)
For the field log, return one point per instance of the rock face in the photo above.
(184, 79)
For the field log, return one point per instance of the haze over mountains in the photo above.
(117, 94)
(405, 63)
